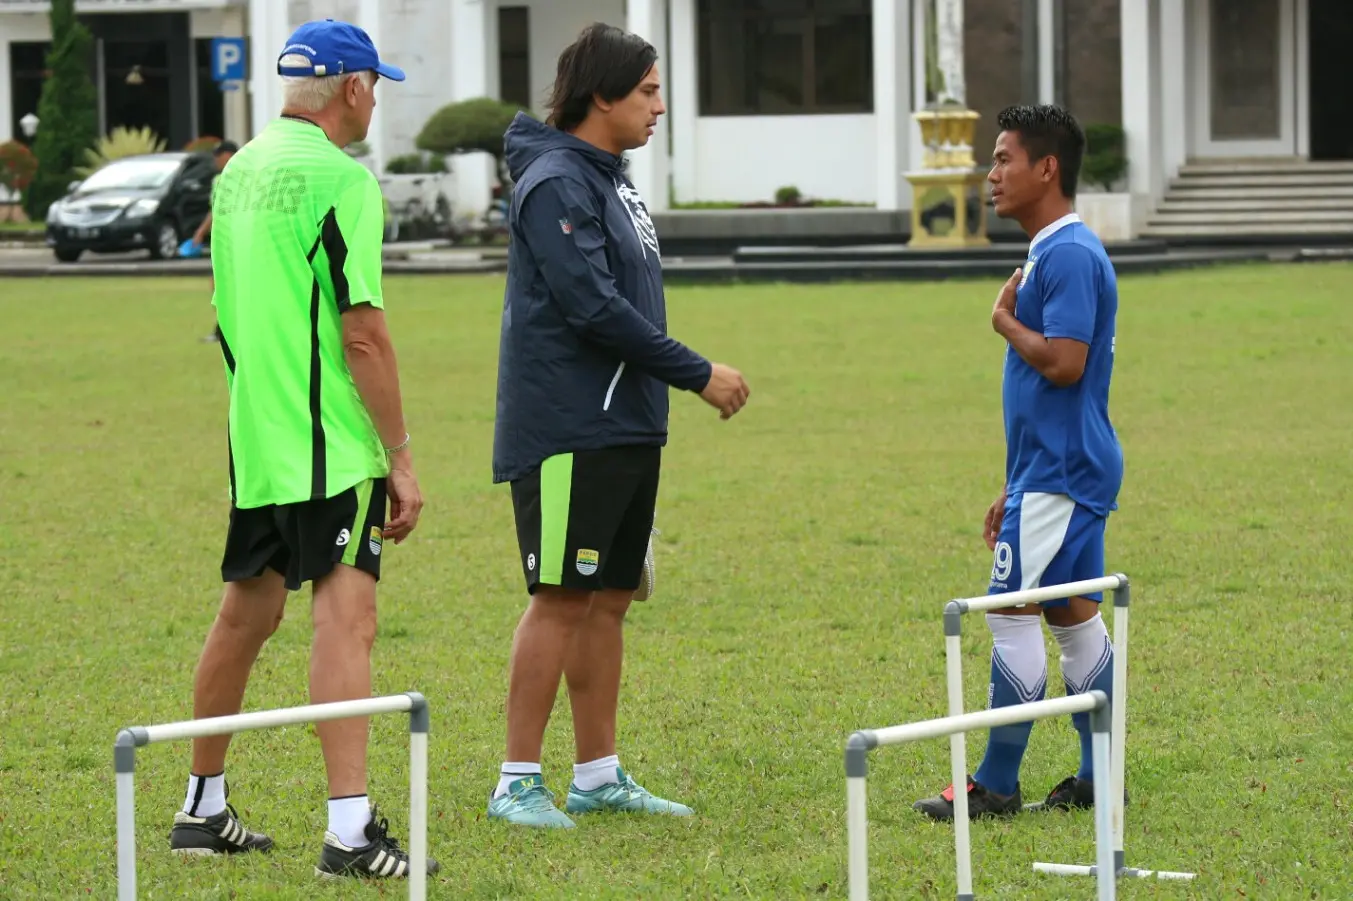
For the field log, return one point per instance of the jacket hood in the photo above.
(527, 138)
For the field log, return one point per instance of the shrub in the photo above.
(120, 142)
(1106, 160)
(416, 163)
(204, 144)
(468, 126)
(18, 165)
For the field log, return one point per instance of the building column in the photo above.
(6, 98)
(1047, 52)
(269, 28)
(1174, 75)
(892, 102)
(919, 67)
(649, 165)
(470, 31)
(1141, 104)
(369, 20)
(681, 72)
(236, 102)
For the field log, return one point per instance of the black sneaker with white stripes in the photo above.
(219, 834)
(380, 858)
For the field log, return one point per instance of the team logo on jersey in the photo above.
(1028, 268)
(643, 223)
(565, 226)
(587, 561)
(375, 541)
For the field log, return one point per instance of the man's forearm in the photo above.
(1032, 347)
(376, 375)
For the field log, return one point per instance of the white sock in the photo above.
(206, 795)
(348, 818)
(1018, 656)
(594, 774)
(511, 772)
(1087, 654)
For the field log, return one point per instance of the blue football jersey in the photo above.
(1060, 440)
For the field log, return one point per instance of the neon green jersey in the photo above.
(296, 240)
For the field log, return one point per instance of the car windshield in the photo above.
(132, 175)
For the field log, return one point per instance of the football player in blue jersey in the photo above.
(1063, 462)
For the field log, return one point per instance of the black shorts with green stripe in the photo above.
(584, 518)
(305, 541)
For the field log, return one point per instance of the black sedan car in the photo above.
(149, 202)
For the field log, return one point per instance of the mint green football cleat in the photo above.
(528, 803)
(625, 796)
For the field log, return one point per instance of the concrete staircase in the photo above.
(1227, 201)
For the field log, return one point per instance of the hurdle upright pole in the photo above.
(1118, 757)
(958, 751)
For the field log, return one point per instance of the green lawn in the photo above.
(808, 546)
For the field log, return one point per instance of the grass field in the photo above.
(807, 548)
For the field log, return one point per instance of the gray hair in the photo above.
(309, 93)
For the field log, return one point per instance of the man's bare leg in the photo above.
(250, 613)
(592, 669)
(344, 613)
(539, 649)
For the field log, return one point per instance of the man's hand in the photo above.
(726, 390)
(1005, 301)
(406, 501)
(991, 526)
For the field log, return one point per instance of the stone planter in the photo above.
(1109, 215)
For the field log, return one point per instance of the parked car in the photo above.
(147, 202)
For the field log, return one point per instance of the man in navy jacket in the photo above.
(584, 368)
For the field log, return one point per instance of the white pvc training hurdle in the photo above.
(413, 703)
(953, 654)
(861, 743)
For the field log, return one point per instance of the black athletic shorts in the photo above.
(305, 541)
(584, 519)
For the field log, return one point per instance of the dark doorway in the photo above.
(1331, 79)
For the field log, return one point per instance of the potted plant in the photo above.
(1104, 203)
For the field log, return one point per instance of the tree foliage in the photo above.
(67, 110)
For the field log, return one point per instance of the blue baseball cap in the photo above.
(334, 48)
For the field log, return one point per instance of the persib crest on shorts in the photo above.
(375, 541)
(587, 561)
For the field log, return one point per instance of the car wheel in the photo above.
(67, 254)
(166, 245)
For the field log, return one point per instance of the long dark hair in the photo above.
(605, 62)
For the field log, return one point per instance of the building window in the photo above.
(785, 57)
(210, 97)
(514, 55)
(27, 69)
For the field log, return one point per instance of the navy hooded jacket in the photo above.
(584, 360)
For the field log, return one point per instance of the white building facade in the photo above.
(820, 96)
